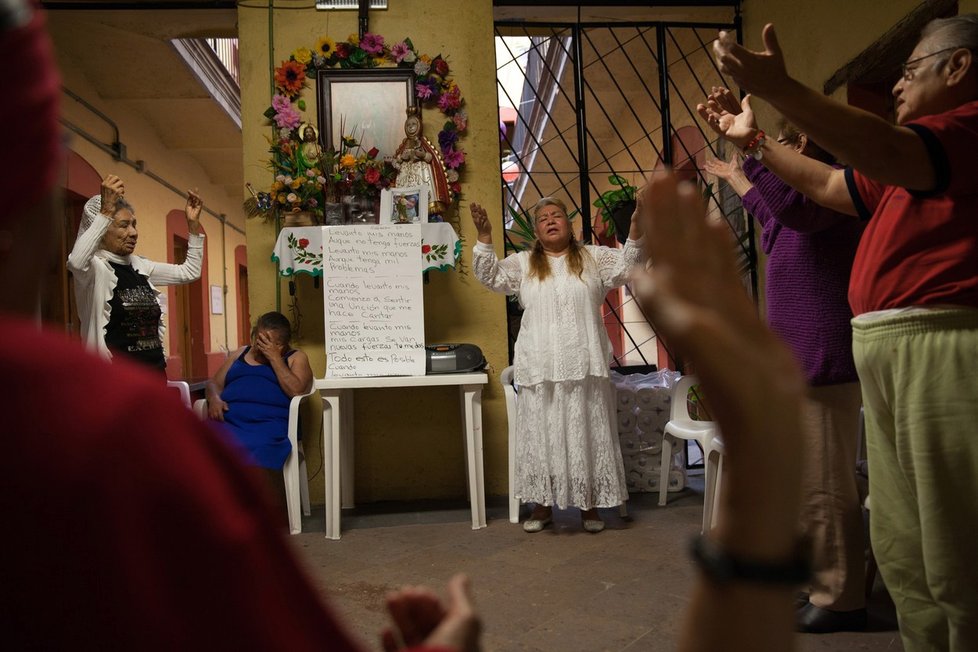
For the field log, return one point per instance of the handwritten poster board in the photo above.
(373, 301)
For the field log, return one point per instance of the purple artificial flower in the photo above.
(454, 158)
(372, 43)
(447, 139)
(399, 51)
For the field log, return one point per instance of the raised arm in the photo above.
(294, 375)
(504, 276)
(822, 183)
(884, 152)
(755, 390)
(99, 213)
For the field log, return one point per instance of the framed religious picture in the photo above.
(404, 205)
(369, 105)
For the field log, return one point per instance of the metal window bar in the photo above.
(226, 50)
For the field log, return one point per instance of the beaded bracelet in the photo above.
(753, 148)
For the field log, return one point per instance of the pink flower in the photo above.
(454, 158)
(450, 100)
(372, 43)
(280, 102)
(461, 120)
(289, 117)
(399, 51)
(423, 91)
(371, 176)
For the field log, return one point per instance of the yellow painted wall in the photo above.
(409, 442)
(153, 201)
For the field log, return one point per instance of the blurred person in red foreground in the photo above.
(129, 524)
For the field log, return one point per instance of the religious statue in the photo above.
(419, 163)
(308, 155)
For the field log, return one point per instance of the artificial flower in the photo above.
(302, 55)
(454, 158)
(450, 100)
(358, 57)
(343, 50)
(372, 43)
(425, 248)
(371, 175)
(348, 161)
(353, 38)
(461, 120)
(426, 58)
(325, 47)
(451, 176)
(447, 139)
(423, 91)
(421, 68)
(399, 51)
(279, 102)
(290, 77)
(288, 117)
(440, 66)
(292, 197)
(303, 242)
(410, 57)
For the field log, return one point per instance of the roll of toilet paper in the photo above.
(645, 397)
(626, 399)
(677, 480)
(626, 422)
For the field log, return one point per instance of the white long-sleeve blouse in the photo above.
(95, 280)
(562, 335)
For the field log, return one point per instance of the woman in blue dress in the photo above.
(252, 390)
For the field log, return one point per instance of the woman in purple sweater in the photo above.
(809, 256)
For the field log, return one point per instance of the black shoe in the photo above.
(801, 599)
(815, 620)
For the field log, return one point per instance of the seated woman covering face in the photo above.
(252, 390)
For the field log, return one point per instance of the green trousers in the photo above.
(919, 376)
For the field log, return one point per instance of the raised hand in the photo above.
(761, 73)
(193, 208)
(419, 618)
(722, 99)
(694, 296)
(481, 221)
(739, 128)
(731, 172)
(112, 190)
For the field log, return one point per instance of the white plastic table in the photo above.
(337, 395)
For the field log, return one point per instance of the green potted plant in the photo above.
(616, 207)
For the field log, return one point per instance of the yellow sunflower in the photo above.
(325, 46)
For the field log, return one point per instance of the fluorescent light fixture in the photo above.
(326, 5)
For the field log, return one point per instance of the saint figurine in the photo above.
(419, 163)
(308, 155)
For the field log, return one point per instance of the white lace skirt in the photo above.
(567, 450)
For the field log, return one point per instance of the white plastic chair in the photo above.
(183, 387)
(294, 470)
(509, 391)
(705, 433)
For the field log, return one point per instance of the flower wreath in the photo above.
(433, 87)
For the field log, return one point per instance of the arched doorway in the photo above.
(58, 307)
(188, 327)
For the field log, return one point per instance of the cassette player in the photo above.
(453, 358)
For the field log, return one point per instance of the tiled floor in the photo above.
(561, 589)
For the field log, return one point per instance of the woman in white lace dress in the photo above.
(567, 442)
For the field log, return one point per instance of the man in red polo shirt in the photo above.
(914, 294)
